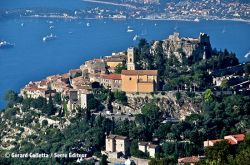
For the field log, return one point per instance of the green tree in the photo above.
(50, 108)
(11, 97)
(57, 98)
(104, 160)
(44, 123)
(208, 95)
(119, 68)
(121, 97)
(224, 84)
(247, 68)
(219, 152)
(39, 103)
(151, 110)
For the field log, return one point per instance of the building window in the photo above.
(130, 59)
(130, 78)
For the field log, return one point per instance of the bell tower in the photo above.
(131, 59)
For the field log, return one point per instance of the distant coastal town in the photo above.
(151, 10)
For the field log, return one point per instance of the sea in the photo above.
(79, 40)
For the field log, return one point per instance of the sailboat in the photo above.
(129, 30)
(136, 37)
(49, 37)
(247, 55)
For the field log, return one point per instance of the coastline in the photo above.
(145, 18)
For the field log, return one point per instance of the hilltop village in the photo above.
(119, 72)
(167, 102)
(77, 84)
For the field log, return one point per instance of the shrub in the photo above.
(178, 96)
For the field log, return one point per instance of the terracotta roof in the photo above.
(98, 60)
(140, 72)
(78, 79)
(216, 140)
(230, 141)
(239, 137)
(44, 82)
(66, 75)
(75, 70)
(193, 159)
(111, 76)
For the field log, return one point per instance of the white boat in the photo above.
(247, 55)
(49, 37)
(88, 24)
(51, 27)
(5, 44)
(136, 37)
(196, 20)
(129, 30)
(22, 24)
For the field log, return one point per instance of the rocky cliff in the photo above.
(194, 48)
(167, 102)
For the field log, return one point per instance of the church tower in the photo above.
(131, 59)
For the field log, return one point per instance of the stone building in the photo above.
(111, 81)
(133, 80)
(131, 59)
(144, 81)
(94, 66)
(188, 160)
(37, 89)
(231, 139)
(115, 60)
(117, 144)
(75, 73)
(78, 98)
(148, 147)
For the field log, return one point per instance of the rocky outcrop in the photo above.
(195, 48)
(167, 103)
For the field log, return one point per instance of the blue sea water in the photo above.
(32, 59)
